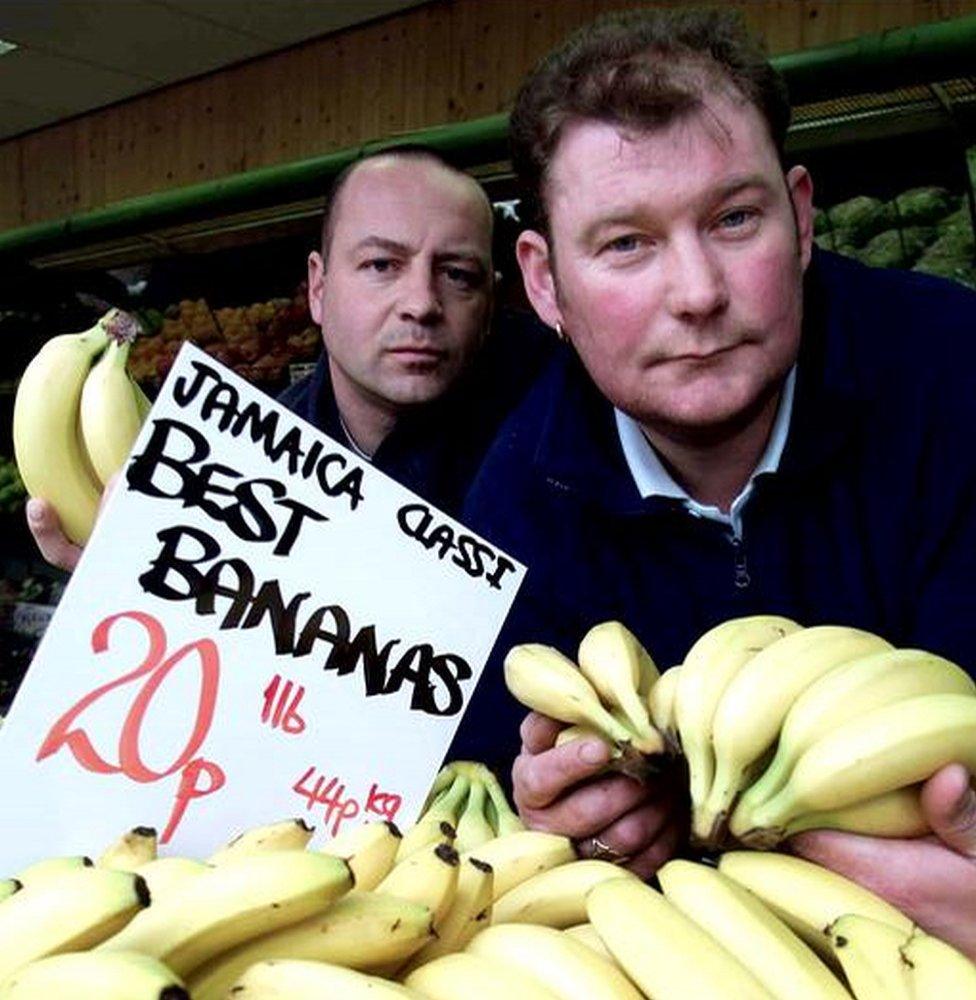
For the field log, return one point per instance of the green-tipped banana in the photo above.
(889, 748)
(752, 708)
(506, 819)
(542, 679)
(473, 828)
(442, 816)
(613, 660)
(849, 692)
(870, 954)
(708, 669)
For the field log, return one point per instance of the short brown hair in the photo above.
(640, 69)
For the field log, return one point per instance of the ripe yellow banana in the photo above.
(48, 446)
(520, 855)
(8, 886)
(283, 835)
(165, 876)
(237, 900)
(71, 913)
(664, 952)
(370, 849)
(110, 413)
(708, 669)
(937, 969)
(870, 954)
(542, 679)
(751, 710)
(473, 828)
(462, 976)
(134, 848)
(586, 934)
(848, 692)
(296, 979)
(430, 827)
(363, 931)
(749, 930)
(470, 911)
(557, 897)
(613, 660)
(102, 975)
(567, 967)
(51, 869)
(428, 877)
(894, 746)
(806, 897)
(660, 705)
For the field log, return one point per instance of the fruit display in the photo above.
(376, 913)
(258, 341)
(780, 728)
(76, 415)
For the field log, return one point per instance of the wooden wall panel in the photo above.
(446, 61)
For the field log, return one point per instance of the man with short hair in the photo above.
(740, 426)
(411, 378)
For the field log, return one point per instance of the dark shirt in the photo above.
(435, 449)
(869, 521)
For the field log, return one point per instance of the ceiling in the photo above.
(77, 55)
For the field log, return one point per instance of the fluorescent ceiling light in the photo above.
(6, 47)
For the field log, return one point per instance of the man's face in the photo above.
(404, 299)
(674, 265)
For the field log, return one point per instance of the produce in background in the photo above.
(13, 493)
(49, 447)
(234, 930)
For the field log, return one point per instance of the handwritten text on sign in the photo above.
(262, 626)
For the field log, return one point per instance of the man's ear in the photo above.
(800, 186)
(316, 276)
(532, 252)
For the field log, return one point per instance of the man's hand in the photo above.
(45, 526)
(562, 790)
(933, 879)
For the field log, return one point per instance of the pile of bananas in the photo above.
(75, 419)
(375, 914)
(782, 728)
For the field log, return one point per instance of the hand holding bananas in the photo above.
(76, 415)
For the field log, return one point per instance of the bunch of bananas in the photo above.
(372, 913)
(782, 728)
(75, 419)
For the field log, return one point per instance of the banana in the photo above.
(283, 835)
(444, 779)
(429, 877)
(8, 886)
(542, 679)
(748, 929)
(463, 976)
(110, 414)
(165, 876)
(891, 747)
(664, 952)
(849, 692)
(236, 900)
(295, 979)
(93, 975)
(708, 669)
(370, 849)
(660, 705)
(363, 931)
(751, 710)
(134, 848)
(520, 855)
(473, 828)
(71, 913)
(429, 828)
(937, 969)
(506, 819)
(50, 453)
(557, 897)
(51, 869)
(567, 967)
(806, 897)
(613, 660)
(469, 912)
(586, 934)
(870, 954)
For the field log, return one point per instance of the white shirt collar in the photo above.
(652, 479)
